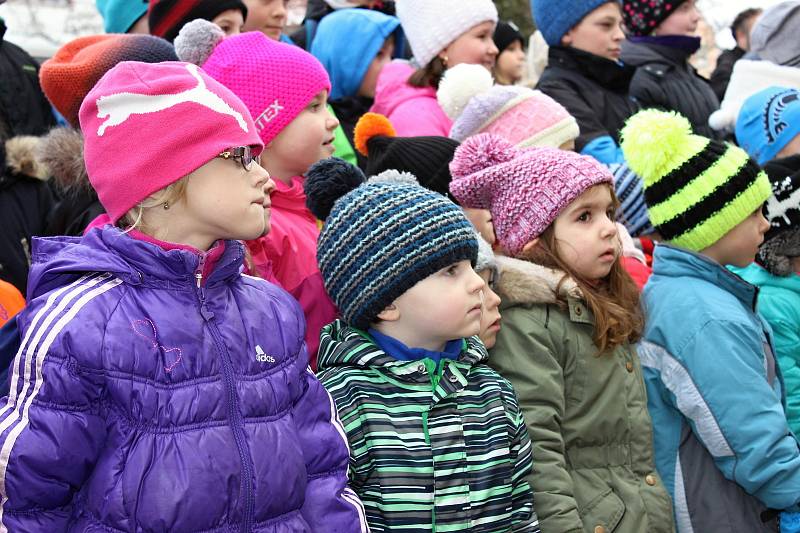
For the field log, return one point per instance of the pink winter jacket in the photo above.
(287, 256)
(413, 111)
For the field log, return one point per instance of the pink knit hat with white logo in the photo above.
(275, 80)
(522, 116)
(146, 126)
(525, 189)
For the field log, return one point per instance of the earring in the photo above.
(444, 60)
(166, 205)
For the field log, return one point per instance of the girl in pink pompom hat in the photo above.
(570, 317)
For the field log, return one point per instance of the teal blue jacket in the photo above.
(779, 304)
(722, 443)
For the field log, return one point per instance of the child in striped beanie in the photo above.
(714, 391)
(405, 367)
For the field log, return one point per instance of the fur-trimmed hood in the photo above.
(61, 151)
(21, 157)
(522, 282)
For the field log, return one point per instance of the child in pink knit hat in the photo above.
(286, 90)
(570, 317)
(151, 370)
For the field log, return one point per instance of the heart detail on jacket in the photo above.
(150, 334)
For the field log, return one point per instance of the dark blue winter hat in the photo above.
(768, 121)
(383, 237)
(554, 18)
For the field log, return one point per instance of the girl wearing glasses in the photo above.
(157, 388)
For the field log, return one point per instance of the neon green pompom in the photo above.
(655, 142)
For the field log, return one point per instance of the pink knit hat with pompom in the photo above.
(275, 80)
(525, 189)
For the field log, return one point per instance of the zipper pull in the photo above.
(199, 277)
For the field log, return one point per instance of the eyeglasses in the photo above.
(243, 153)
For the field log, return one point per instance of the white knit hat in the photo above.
(431, 25)
(748, 78)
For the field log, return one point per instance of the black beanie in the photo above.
(167, 17)
(505, 34)
(427, 158)
(782, 241)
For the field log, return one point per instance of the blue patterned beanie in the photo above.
(554, 18)
(383, 237)
(768, 121)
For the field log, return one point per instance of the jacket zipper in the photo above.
(234, 413)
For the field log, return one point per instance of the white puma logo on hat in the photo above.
(119, 107)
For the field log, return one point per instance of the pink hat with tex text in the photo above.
(146, 126)
(275, 80)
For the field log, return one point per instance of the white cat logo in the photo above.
(261, 357)
(119, 107)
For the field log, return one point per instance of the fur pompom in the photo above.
(479, 152)
(394, 176)
(652, 140)
(327, 181)
(61, 151)
(196, 41)
(368, 126)
(459, 85)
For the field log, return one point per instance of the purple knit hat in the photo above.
(525, 189)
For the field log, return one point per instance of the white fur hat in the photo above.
(430, 25)
(748, 78)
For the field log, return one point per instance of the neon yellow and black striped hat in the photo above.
(696, 189)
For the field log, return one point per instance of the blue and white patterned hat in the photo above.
(383, 237)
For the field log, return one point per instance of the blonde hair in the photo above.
(169, 195)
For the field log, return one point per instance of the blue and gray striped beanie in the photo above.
(382, 237)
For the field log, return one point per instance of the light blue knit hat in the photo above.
(120, 15)
(554, 18)
(768, 121)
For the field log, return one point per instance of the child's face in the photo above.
(511, 63)
(222, 201)
(474, 47)
(230, 21)
(682, 21)
(482, 220)
(490, 318)
(304, 141)
(599, 33)
(739, 246)
(266, 16)
(444, 306)
(586, 235)
(370, 79)
(792, 148)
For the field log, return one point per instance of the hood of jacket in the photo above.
(393, 89)
(21, 157)
(347, 41)
(522, 282)
(55, 261)
(61, 151)
(673, 262)
(344, 346)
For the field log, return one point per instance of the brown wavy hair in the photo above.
(614, 301)
(430, 75)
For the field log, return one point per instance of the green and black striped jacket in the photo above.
(432, 449)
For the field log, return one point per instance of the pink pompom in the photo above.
(480, 152)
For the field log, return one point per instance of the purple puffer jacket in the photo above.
(140, 402)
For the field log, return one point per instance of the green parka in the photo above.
(593, 464)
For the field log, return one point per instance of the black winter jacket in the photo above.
(592, 88)
(665, 79)
(722, 73)
(23, 108)
(25, 205)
